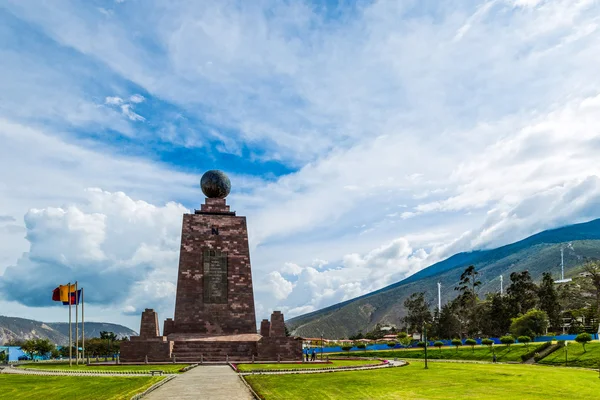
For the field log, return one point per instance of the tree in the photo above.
(583, 338)
(404, 339)
(418, 312)
(487, 342)
(497, 315)
(347, 348)
(28, 347)
(449, 324)
(456, 342)
(468, 284)
(472, 343)
(507, 340)
(361, 346)
(533, 323)
(592, 270)
(548, 300)
(467, 300)
(421, 344)
(525, 340)
(522, 293)
(439, 345)
(109, 337)
(391, 344)
(3, 357)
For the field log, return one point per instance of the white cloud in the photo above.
(121, 250)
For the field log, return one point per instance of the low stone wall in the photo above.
(279, 348)
(136, 350)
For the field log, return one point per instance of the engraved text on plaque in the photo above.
(215, 277)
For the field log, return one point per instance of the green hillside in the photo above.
(539, 253)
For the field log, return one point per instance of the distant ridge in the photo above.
(13, 328)
(537, 253)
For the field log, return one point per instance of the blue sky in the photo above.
(364, 140)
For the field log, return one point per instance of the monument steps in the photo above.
(214, 351)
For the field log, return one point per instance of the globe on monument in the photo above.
(215, 184)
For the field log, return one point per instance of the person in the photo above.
(314, 355)
(494, 358)
(307, 351)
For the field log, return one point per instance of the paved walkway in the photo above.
(204, 382)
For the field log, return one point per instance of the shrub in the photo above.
(525, 340)
(507, 340)
(391, 344)
(487, 342)
(560, 344)
(534, 352)
(533, 323)
(346, 348)
(583, 338)
(456, 342)
(472, 343)
(439, 345)
(361, 346)
(421, 344)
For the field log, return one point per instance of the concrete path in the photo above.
(204, 382)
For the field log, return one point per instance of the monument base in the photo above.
(270, 345)
(196, 349)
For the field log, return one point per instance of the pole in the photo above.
(501, 288)
(76, 325)
(439, 297)
(321, 346)
(562, 263)
(82, 328)
(70, 330)
(425, 340)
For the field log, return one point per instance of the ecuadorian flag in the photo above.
(75, 298)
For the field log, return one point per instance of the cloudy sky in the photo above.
(364, 140)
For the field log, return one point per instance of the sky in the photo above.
(364, 140)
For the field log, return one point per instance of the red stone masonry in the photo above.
(265, 328)
(149, 324)
(214, 231)
(277, 325)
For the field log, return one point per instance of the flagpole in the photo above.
(70, 330)
(76, 325)
(82, 327)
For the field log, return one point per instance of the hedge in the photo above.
(559, 345)
(538, 349)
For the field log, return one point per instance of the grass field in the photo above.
(576, 356)
(440, 381)
(168, 368)
(18, 387)
(480, 353)
(334, 363)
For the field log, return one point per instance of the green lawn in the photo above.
(576, 356)
(168, 368)
(480, 353)
(440, 381)
(334, 363)
(17, 387)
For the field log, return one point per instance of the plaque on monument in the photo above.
(215, 277)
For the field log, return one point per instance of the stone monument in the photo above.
(214, 316)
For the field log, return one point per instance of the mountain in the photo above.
(538, 253)
(12, 328)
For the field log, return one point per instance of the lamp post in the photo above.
(425, 341)
(566, 353)
(321, 346)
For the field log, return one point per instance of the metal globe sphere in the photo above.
(215, 184)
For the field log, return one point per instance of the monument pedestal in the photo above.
(214, 309)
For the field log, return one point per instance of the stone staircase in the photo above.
(196, 351)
